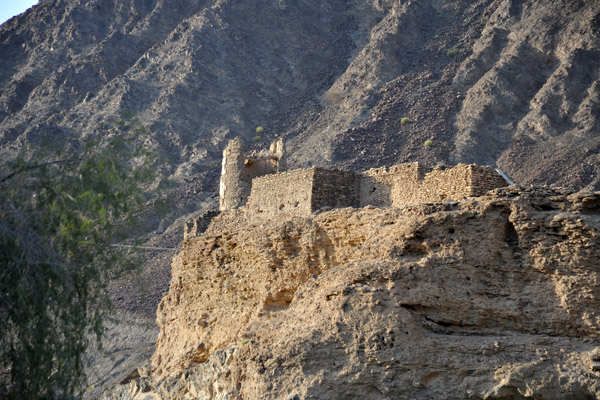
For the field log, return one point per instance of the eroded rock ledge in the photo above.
(493, 297)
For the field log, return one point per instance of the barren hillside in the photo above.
(508, 82)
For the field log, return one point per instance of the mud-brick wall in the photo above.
(484, 179)
(196, 226)
(335, 189)
(287, 193)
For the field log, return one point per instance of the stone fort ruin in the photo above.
(238, 171)
(261, 183)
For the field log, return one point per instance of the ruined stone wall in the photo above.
(441, 184)
(288, 193)
(335, 189)
(256, 168)
(375, 188)
(196, 226)
(266, 162)
(436, 186)
(277, 148)
(376, 184)
(484, 179)
(300, 192)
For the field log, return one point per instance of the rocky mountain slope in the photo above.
(511, 83)
(506, 82)
(494, 297)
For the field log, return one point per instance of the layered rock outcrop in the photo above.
(492, 297)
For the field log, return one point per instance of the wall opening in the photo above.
(511, 237)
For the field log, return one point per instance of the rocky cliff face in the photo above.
(490, 298)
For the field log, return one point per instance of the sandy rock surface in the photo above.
(489, 298)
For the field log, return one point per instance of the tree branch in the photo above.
(30, 167)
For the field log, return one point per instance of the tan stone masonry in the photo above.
(259, 185)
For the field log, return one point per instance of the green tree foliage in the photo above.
(59, 216)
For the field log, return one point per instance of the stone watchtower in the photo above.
(238, 170)
(233, 190)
